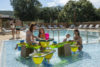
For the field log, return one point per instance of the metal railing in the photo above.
(87, 35)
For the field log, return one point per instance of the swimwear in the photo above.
(18, 27)
(12, 25)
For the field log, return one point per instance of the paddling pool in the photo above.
(89, 57)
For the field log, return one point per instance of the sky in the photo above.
(5, 4)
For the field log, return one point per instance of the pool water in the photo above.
(91, 37)
(89, 57)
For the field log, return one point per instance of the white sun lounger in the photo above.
(91, 26)
(72, 26)
(61, 26)
(6, 31)
(42, 26)
(80, 26)
(55, 26)
(97, 26)
(85, 26)
(50, 27)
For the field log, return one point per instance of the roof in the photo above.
(5, 17)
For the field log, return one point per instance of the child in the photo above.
(21, 43)
(41, 35)
(67, 36)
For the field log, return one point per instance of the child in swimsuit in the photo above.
(41, 35)
(67, 36)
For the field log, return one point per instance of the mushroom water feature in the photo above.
(48, 52)
(44, 44)
(38, 58)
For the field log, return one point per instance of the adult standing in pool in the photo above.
(18, 28)
(78, 39)
(29, 34)
(30, 40)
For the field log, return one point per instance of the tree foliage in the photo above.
(78, 11)
(98, 13)
(73, 11)
(49, 14)
(26, 9)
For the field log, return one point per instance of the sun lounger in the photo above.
(80, 26)
(42, 26)
(91, 26)
(97, 26)
(6, 31)
(61, 26)
(37, 27)
(55, 26)
(72, 26)
(50, 27)
(85, 26)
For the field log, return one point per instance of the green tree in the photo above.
(78, 11)
(98, 14)
(26, 9)
(49, 14)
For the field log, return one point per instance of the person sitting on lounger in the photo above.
(67, 36)
(78, 39)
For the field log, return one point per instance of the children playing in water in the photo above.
(67, 36)
(76, 38)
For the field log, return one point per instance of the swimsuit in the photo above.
(81, 46)
(12, 25)
(18, 27)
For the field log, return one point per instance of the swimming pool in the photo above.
(89, 57)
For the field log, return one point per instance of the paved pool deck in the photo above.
(1, 46)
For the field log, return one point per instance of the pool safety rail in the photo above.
(86, 34)
(94, 34)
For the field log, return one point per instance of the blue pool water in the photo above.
(92, 36)
(89, 57)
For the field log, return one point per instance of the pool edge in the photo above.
(1, 48)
